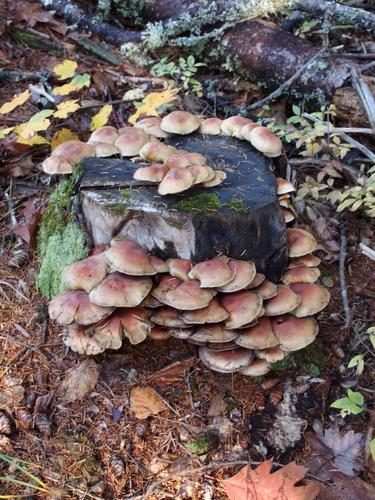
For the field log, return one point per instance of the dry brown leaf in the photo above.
(172, 373)
(11, 396)
(32, 215)
(260, 484)
(80, 381)
(145, 401)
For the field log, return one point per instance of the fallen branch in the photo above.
(343, 288)
(365, 96)
(365, 250)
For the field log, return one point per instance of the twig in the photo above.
(343, 288)
(365, 250)
(368, 66)
(365, 96)
(283, 87)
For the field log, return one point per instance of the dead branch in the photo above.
(365, 96)
(343, 287)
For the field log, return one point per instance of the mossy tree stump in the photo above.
(241, 217)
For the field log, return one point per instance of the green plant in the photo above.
(352, 404)
(35, 483)
(306, 27)
(199, 446)
(183, 72)
(360, 196)
(358, 362)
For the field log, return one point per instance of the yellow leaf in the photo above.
(152, 102)
(77, 83)
(5, 131)
(66, 107)
(34, 141)
(61, 136)
(65, 70)
(15, 102)
(101, 118)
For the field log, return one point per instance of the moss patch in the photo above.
(201, 203)
(310, 360)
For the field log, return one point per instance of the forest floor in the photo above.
(96, 448)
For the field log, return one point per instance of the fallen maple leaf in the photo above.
(345, 448)
(101, 118)
(36, 123)
(150, 104)
(66, 107)
(77, 83)
(145, 401)
(65, 70)
(63, 135)
(15, 102)
(260, 484)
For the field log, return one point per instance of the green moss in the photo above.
(237, 205)
(126, 194)
(310, 360)
(201, 203)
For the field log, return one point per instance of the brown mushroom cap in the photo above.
(256, 368)
(258, 280)
(181, 333)
(107, 135)
(265, 141)
(74, 151)
(267, 289)
(127, 256)
(195, 158)
(180, 122)
(301, 275)
(178, 160)
(213, 273)
(294, 333)
(151, 173)
(260, 336)
(57, 165)
(176, 180)
(119, 290)
(156, 151)
(225, 361)
(272, 354)
(79, 340)
(151, 302)
(179, 268)
(244, 273)
(103, 149)
(283, 186)
(232, 126)
(286, 203)
(135, 323)
(85, 274)
(168, 317)
(305, 261)
(213, 313)
(314, 298)
(159, 265)
(242, 307)
(189, 296)
(211, 126)
(288, 216)
(166, 284)
(158, 333)
(213, 334)
(131, 141)
(246, 129)
(201, 173)
(300, 242)
(109, 332)
(151, 126)
(75, 306)
(285, 301)
(219, 177)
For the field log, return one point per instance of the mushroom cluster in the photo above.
(173, 170)
(241, 321)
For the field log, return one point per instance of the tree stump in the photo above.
(240, 218)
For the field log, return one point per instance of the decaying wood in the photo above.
(365, 96)
(348, 104)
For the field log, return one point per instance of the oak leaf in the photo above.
(14, 103)
(65, 70)
(63, 135)
(66, 107)
(150, 104)
(77, 83)
(101, 118)
(145, 401)
(260, 484)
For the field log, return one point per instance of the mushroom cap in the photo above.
(256, 368)
(195, 158)
(57, 165)
(284, 186)
(158, 333)
(159, 265)
(300, 242)
(213, 273)
(166, 284)
(288, 216)
(151, 126)
(225, 361)
(151, 173)
(108, 333)
(103, 149)
(219, 346)
(213, 313)
(244, 273)
(74, 151)
(106, 134)
(267, 289)
(189, 296)
(271, 354)
(79, 340)
(213, 334)
(232, 126)
(178, 160)
(285, 203)
(242, 307)
(265, 141)
(175, 181)
(211, 126)
(180, 122)
(246, 129)
(151, 302)
(119, 290)
(259, 336)
(135, 323)
(285, 301)
(131, 141)
(168, 317)
(258, 280)
(75, 306)
(179, 268)
(127, 256)
(219, 177)
(181, 333)
(301, 275)
(314, 298)
(85, 274)
(294, 333)
(201, 173)
(305, 261)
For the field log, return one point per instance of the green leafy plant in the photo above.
(199, 446)
(183, 72)
(352, 404)
(359, 362)
(360, 196)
